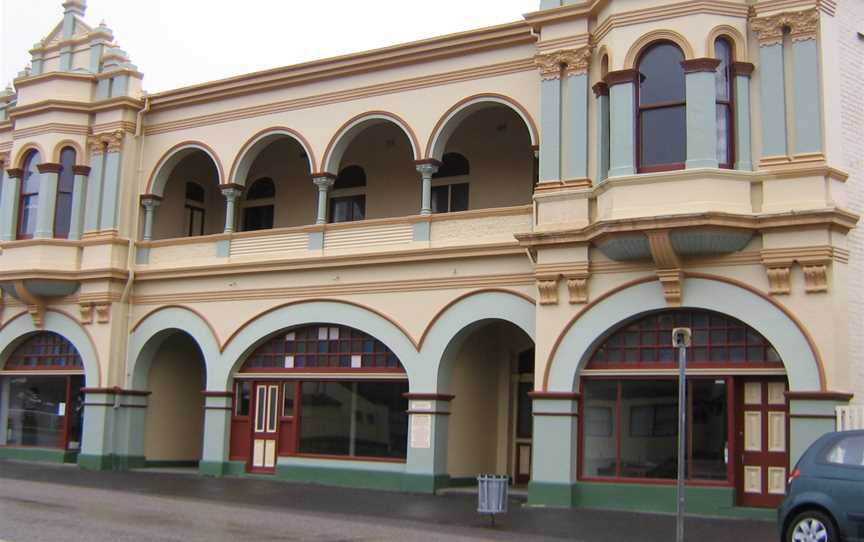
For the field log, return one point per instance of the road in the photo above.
(63, 503)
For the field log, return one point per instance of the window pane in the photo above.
(661, 75)
(358, 204)
(63, 214)
(459, 197)
(440, 202)
(663, 136)
(710, 426)
(242, 396)
(722, 75)
(524, 417)
(649, 443)
(288, 399)
(599, 429)
(724, 125)
(325, 425)
(37, 407)
(381, 420)
(258, 218)
(849, 451)
(29, 208)
(75, 411)
(339, 210)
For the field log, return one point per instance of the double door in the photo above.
(762, 442)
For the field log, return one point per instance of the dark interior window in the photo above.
(723, 51)
(259, 213)
(194, 192)
(453, 165)
(450, 198)
(661, 109)
(65, 185)
(348, 208)
(261, 189)
(350, 177)
(29, 199)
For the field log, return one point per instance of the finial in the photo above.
(77, 7)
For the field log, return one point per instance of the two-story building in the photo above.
(404, 267)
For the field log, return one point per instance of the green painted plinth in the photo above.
(547, 494)
(111, 462)
(43, 455)
(221, 468)
(391, 481)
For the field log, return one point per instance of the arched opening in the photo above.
(737, 425)
(192, 203)
(41, 402)
(28, 200)
(279, 192)
(661, 108)
(494, 139)
(174, 425)
(490, 367)
(322, 390)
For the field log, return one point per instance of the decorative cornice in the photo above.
(803, 25)
(695, 65)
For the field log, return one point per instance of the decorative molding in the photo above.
(50, 128)
(550, 66)
(779, 280)
(839, 396)
(106, 142)
(803, 25)
(695, 65)
(622, 76)
(815, 278)
(578, 288)
(671, 280)
(86, 313)
(571, 61)
(15, 173)
(576, 61)
(744, 69)
(48, 167)
(665, 12)
(81, 170)
(547, 286)
(600, 89)
(103, 313)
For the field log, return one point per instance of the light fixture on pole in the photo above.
(681, 341)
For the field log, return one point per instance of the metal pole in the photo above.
(681, 340)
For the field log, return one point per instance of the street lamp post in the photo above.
(681, 340)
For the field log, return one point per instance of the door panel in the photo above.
(762, 428)
(265, 434)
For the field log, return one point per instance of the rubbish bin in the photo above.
(492, 495)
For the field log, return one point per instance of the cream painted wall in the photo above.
(174, 426)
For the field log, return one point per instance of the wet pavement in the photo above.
(52, 502)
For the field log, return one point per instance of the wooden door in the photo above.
(265, 430)
(762, 426)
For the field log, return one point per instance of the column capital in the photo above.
(600, 89)
(324, 181)
(803, 25)
(106, 142)
(743, 69)
(150, 201)
(620, 77)
(428, 167)
(4, 159)
(49, 167)
(15, 173)
(81, 170)
(571, 61)
(231, 190)
(696, 65)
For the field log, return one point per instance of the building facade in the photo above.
(404, 267)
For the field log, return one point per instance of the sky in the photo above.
(177, 43)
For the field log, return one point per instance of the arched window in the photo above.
(43, 380)
(28, 203)
(65, 186)
(195, 214)
(451, 195)
(348, 202)
(725, 131)
(662, 129)
(324, 390)
(259, 207)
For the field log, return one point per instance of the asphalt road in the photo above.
(63, 503)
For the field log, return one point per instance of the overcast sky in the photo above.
(182, 42)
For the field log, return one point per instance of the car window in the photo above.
(847, 451)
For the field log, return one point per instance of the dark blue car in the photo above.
(825, 498)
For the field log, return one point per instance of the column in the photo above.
(808, 102)
(93, 206)
(550, 116)
(9, 205)
(111, 182)
(576, 114)
(79, 199)
(554, 450)
(701, 99)
(743, 154)
(426, 466)
(622, 122)
(324, 182)
(49, 175)
(232, 194)
(601, 93)
(66, 58)
(427, 169)
(149, 202)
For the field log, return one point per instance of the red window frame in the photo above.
(729, 103)
(661, 105)
(24, 197)
(45, 346)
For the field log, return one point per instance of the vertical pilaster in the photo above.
(808, 102)
(66, 58)
(554, 450)
(36, 64)
(49, 175)
(743, 154)
(601, 93)
(79, 200)
(324, 182)
(217, 430)
(232, 194)
(93, 206)
(550, 65)
(426, 468)
(149, 202)
(773, 100)
(622, 122)
(576, 115)
(427, 169)
(9, 204)
(96, 48)
(701, 99)
(108, 217)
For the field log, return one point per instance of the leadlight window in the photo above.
(322, 347)
(65, 187)
(661, 109)
(45, 351)
(28, 202)
(723, 78)
(718, 340)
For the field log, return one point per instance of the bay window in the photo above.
(661, 109)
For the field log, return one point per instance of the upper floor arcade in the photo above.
(582, 121)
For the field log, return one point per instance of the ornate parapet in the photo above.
(802, 25)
